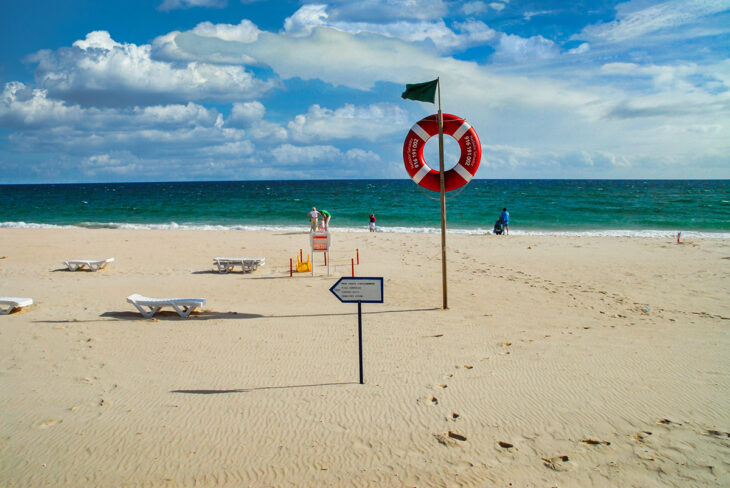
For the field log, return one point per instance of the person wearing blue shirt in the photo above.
(504, 217)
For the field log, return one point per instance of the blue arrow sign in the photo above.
(358, 289)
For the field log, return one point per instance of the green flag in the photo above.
(423, 92)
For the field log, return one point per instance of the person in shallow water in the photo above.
(504, 218)
(498, 229)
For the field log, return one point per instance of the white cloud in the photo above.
(245, 31)
(165, 49)
(245, 113)
(167, 5)
(370, 123)
(250, 115)
(513, 48)
(25, 108)
(376, 11)
(635, 18)
(106, 164)
(497, 6)
(528, 15)
(101, 71)
(444, 39)
(289, 154)
(473, 8)
(582, 49)
(302, 21)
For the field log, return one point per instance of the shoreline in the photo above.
(645, 233)
(601, 362)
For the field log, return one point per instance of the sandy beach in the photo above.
(561, 361)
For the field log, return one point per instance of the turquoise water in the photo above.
(621, 207)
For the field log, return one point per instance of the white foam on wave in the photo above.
(395, 230)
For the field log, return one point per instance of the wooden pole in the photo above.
(443, 201)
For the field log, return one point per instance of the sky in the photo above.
(193, 90)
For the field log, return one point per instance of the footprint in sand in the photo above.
(558, 463)
(44, 424)
(428, 401)
(450, 438)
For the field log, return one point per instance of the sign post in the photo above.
(320, 242)
(359, 290)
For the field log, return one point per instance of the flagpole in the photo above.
(443, 200)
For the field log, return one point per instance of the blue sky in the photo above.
(165, 90)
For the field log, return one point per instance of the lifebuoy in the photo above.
(459, 175)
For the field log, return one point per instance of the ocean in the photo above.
(648, 208)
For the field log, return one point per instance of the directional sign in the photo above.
(359, 289)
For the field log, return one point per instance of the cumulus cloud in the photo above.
(24, 108)
(101, 71)
(168, 5)
(308, 16)
(369, 123)
(245, 31)
(250, 115)
(245, 113)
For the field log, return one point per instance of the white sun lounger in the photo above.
(93, 265)
(226, 265)
(12, 303)
(150, 306)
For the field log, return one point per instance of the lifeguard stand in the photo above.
(320, 242)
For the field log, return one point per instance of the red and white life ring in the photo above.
(459, 175)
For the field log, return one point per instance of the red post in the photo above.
(301, 257)
(358, 256)
(291, 267)
(353, 267)
(325, 258)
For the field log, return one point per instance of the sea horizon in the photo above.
(576, 207)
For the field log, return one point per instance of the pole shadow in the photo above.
(172, 315)
(259, 388)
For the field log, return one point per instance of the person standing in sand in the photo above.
(372, 222)
(313, 219)
(504, 217)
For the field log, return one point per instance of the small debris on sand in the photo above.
(456, 436)
(595, 442)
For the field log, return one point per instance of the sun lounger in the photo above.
(12, 303)
(150, 306)
(93, 265)
(226, 265)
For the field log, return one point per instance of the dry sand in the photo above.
(561, 361)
